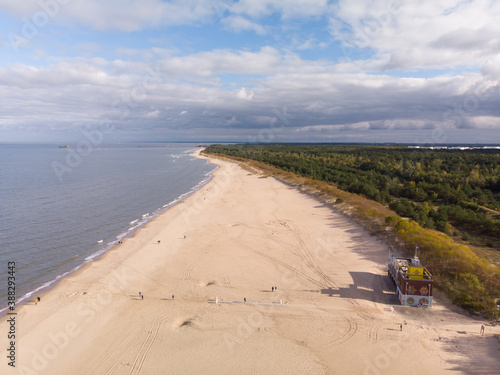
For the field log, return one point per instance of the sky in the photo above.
(422, 71)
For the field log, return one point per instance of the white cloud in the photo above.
(243, 94)
(216, 62)
(196, 88)
(480, 122)
(120, 15)
(153, 114)
(423, 34)
(133, 15)
(311, 43)
(238, 24)
(319, 100)
(491, 68)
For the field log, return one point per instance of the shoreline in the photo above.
(130, 233)
(230, 242)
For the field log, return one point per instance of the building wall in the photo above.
(413, 300)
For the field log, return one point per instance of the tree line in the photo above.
(433, 187)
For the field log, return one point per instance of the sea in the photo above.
(62, 207)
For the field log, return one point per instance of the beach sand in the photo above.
(331, 312)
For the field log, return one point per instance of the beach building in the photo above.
(412, 280)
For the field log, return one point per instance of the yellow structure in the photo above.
(415, 273)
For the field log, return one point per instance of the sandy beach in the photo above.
(237, 238)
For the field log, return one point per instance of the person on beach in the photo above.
(142, 296)
(272, 289)
(38, 299)
(244, 299)
(158, 241)
(184, 237)
(36, 302)
(482, 330)
(172, 296)
(400, 327)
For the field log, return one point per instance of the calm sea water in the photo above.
(51, 225)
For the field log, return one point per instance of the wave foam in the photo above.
(138, 223)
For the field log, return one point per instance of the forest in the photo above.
(453, 191)
(435, 188)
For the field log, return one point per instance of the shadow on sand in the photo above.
(480, 354)
(367, 286)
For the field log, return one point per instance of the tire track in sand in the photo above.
(308, 257)
(352, 328)
(151, 337)
(109, 355)
(187, 273)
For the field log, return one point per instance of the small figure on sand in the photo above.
(482, 330)
(244, 299)
(36, 302)
(159, 241)
(173, 296)
(38, 299)
(139, 294)
(400, 327)
(142, 296)
(184, 237)
(272, 289)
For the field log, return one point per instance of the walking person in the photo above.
(482, 330)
